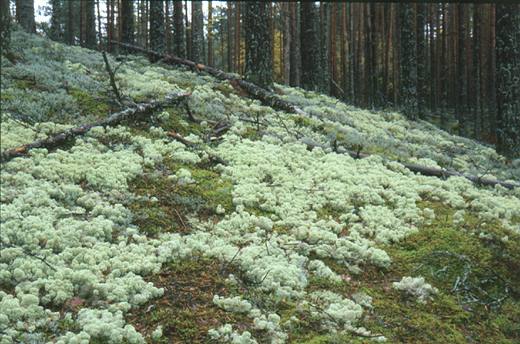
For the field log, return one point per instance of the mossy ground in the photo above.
(477, 278)
(443, 253)
(186, 311)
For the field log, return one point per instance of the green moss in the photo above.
(186, 310)
(88, 104)
(175, 202)
(179, 122)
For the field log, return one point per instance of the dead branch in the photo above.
(112, 77)
(66, 135)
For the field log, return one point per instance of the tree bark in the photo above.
(508, 79)
(210, 34)
(259, 69)
(5, 26)
(179, 34)
(25, 15)
(310, 55)
(408, 61)
(197, 34)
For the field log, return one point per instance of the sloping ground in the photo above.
(128, 236)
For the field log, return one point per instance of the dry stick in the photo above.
(112, 77)
(271, 99)
(114, 119)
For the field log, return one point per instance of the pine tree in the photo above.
(295, 59)
(210, 34)
(179, 35)
(127, 21)
(56, 33)
(5, 26)
(421, 59)
(309, 45)
(25, 15)
(197, 34)
(508, 81)
(258, 43)
(408, 61)
(69, 23)
(88, 24)
(157, 26)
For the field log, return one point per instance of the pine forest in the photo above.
(314, 172)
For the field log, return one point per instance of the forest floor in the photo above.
(126, 235)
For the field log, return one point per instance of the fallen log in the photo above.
(114, 119)
(265, 96)
(425, 170)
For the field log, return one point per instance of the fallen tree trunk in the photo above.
(273, 100)
(425, 170)
(265, 96)
(114, 119)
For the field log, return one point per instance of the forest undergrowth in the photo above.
(126, 235)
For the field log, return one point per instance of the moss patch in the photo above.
(186, 310)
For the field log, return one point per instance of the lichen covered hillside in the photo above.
(169, 229)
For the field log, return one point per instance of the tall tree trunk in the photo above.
(344, 52)
(210, 34)
(188, 30)
(287, 37)
(237, 51)
(258, 44)
(168, 27)
(88, 24)
(421, 59)
(25, 15)
(294, 51)
(229, 36)
(69, 27)
(5, 26)
(197, 34)
(332, 52)
(476, 72)
(126, 17)
(322, 29)
(508, 80)
(157, 26)
(100, 34)
(179, 34)
(310, 55)
(461, 77)
(55, 32)
(408, 60)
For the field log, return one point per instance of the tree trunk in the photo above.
(287, 41)
(258, 44)
(310, 55)
(25, 15)
(508, 80)
(408, 61)
(5, 26)
(237, 38)
(157, 26)
(461, 79)
(126, 17)
(179, 35)
(188, 30)
(197, 34)
(421, 59)
(294, 77)
(229, 37)
(210, 34)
